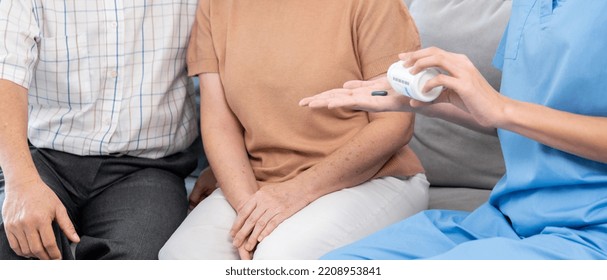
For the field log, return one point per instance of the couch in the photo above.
(461, 165)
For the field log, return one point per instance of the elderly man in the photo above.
(111, 119)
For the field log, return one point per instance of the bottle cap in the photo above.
(422, 78)
(410, 85)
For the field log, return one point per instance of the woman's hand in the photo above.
(467, 98)
(244, 253)
(263, 212)
(466, 88)
(356, 95)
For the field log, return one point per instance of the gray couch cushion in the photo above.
(464, 199)
(453, 155)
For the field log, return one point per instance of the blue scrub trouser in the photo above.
(482, 234)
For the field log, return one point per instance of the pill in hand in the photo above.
(379, 93)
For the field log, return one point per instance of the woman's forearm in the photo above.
(361, 157)
(577, 134)
(224, 143)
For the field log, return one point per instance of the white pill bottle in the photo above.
(411, 85)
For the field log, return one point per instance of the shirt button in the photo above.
(113, 74)
(107, 121)
(113, 24)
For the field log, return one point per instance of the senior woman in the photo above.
(295, 184)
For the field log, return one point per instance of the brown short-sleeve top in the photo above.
(272, 53)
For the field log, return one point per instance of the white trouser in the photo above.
(334, 220)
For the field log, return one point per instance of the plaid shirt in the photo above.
(104, 77)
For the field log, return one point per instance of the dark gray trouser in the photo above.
(122, 207)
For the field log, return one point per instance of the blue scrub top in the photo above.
(554, 53)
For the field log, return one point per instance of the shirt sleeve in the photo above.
(201, 56)
(18, 44)
(383, 30)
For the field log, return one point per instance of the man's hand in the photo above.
(204, 186)
(28, 212)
